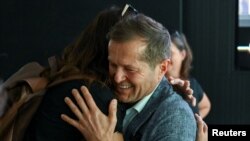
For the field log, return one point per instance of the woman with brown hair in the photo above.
(180, 66)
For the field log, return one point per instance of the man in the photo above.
(139, 54)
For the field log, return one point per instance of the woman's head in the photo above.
(181, 56)
(88, 53)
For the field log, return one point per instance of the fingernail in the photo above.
(114, 102)
(82, 87)
(66, 99)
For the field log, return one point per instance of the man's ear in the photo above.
(164, 66)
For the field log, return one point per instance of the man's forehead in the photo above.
(139, 41)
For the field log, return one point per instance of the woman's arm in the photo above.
(204, 106)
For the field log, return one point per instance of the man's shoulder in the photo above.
(174, 103)
(172, 120)
(167, 99)
(166, 116)
(174, 100)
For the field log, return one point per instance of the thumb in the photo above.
(199, 122)
(112, 112)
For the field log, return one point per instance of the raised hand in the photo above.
(92, 123)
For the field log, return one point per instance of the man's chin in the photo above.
(121, 98)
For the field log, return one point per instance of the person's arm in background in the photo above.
(204, 106)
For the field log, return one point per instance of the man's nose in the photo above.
(119, 76)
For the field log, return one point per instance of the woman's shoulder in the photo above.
(65, 88)
(194, 82)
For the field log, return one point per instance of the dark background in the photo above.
(33, 30)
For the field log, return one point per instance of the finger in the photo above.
(70, 121)
(188, 96)
(112, 113)
(199, 123)
(205, 127)
(73, 122)
(170, 78)
(189, 91)
(89, 99)
(80, 101)
(178, 82)
(193, 101)
(73, 107)
(186, 84)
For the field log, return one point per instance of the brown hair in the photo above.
(179, 39)
(87, 55)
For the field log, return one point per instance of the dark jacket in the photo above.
(47, 124)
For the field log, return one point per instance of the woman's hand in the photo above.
(183, 87)
(202, 131)
(92, 123)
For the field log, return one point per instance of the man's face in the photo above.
(132, 78)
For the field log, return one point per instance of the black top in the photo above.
(47, 124)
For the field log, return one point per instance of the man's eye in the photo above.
(130, 69)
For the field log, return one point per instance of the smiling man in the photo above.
(139, 55)
(129, 73)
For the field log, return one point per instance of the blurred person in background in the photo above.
(180, 66)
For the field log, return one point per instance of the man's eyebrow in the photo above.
(130, 66)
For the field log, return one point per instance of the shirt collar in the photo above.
(141, 104)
